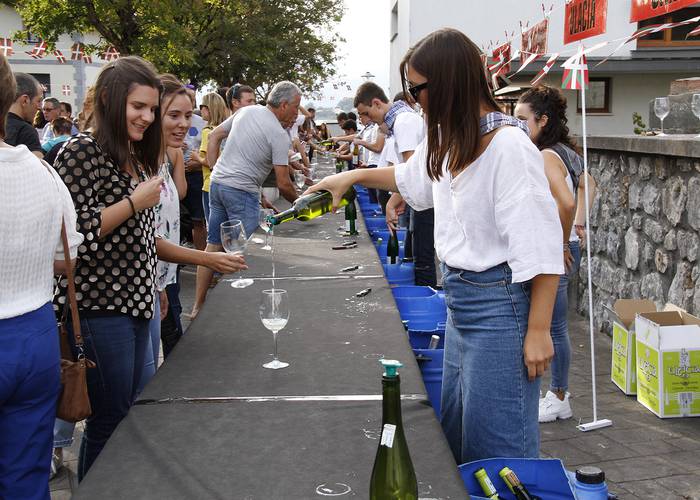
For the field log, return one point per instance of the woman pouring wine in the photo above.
(498, 236)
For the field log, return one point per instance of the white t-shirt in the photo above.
(33, 203)
(256, 141)
(388, 154)
(499, 209)
(369, 134)
(408, 132)
(294, 130)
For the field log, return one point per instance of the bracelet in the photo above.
(131, 202)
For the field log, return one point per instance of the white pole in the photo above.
(595, 424)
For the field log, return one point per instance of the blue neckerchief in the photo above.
(494, 120)
(394, 110)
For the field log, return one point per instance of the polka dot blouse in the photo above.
(115, 274)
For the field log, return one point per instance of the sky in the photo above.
(365, 27)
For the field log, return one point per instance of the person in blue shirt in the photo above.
(61, 128)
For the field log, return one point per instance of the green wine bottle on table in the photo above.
(393, 477)
(351, 218)
(392, 247)
(311, 206)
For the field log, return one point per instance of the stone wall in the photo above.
(645, 222)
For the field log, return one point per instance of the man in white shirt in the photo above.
(408, 130)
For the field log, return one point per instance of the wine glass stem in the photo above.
(662, 125)
(266, 236)
(274, 337)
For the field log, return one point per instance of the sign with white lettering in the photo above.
(646, 9)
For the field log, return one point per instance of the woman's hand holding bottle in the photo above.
(336, 184)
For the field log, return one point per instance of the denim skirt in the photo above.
(489, 408)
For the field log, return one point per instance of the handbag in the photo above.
(73, 401)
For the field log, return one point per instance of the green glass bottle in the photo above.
(351, 218)
(515, 486)
(393, 477)
(311, 206)
(392, 248)
(486, 485)
(339, 166)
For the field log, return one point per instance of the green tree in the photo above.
(257, 42)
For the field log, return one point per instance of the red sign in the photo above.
(502, 53)
(534, 40)
(585, 18)
(646, 9)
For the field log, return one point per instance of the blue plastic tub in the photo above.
(544, 477)
(385, 234)
(381, 251)
(375, 223)
(403, 292)
(430, 364)
(422, 313)
(420, 339)
(400, 273)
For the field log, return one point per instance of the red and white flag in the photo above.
(6, 47)
(575, 75)
(59, 55)
(110, 54)
(77, 52)
(526, 62)
(65, 89)
(39, 50)
(694, 32)
(87, 58)
(547, 66)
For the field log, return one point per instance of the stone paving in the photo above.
(643, 456)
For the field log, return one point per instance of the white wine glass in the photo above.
(234, 241)
(695, 105)
(662, 107)
(299, 179)
(266, 226)
(274, 314)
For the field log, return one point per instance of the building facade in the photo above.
(66, 81)
(625, 84)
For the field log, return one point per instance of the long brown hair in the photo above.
(457, 89)
(114, 83)
(8, 87)
(544, 100)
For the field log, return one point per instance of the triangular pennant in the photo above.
(545, 69)
(59, 55)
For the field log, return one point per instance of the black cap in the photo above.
(590, 475)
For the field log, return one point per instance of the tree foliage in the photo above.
(257, 42)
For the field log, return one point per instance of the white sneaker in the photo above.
(552, 408)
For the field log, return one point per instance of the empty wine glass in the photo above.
(274, 314)
(696, 107)
(266, 226)
(662, 107)
(234, 240)
(299, 179)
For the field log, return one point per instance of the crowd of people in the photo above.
(495, 199)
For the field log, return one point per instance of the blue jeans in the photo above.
(489, 408)
(150, 359)
(560, 327)
(227, 203)
(117, 344)
(63, 434)
(205, 205)
(29, 387)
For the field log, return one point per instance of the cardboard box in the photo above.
(668, 363)
(623, 372)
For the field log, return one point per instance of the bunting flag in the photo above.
(526, 62)
(694, 32)
(59, 55)
(110, 54)
(87, 58)
(65, 89)
(335, 87)
(543, 72)
(77, 52)
(6, 47)
(575, 75)
(39, 50)
(650, 30)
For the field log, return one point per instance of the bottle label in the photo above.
(347, 225)
(388, 435)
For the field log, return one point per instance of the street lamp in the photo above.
(368, 76)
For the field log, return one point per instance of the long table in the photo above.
(214, 424)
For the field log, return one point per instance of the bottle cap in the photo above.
(391, 367)
(590, 475)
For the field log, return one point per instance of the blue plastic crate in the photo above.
(375, 223)
(420, 339)
(384, 234)
(544, 477)
(401, 273)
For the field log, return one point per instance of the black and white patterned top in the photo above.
(115, 274)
